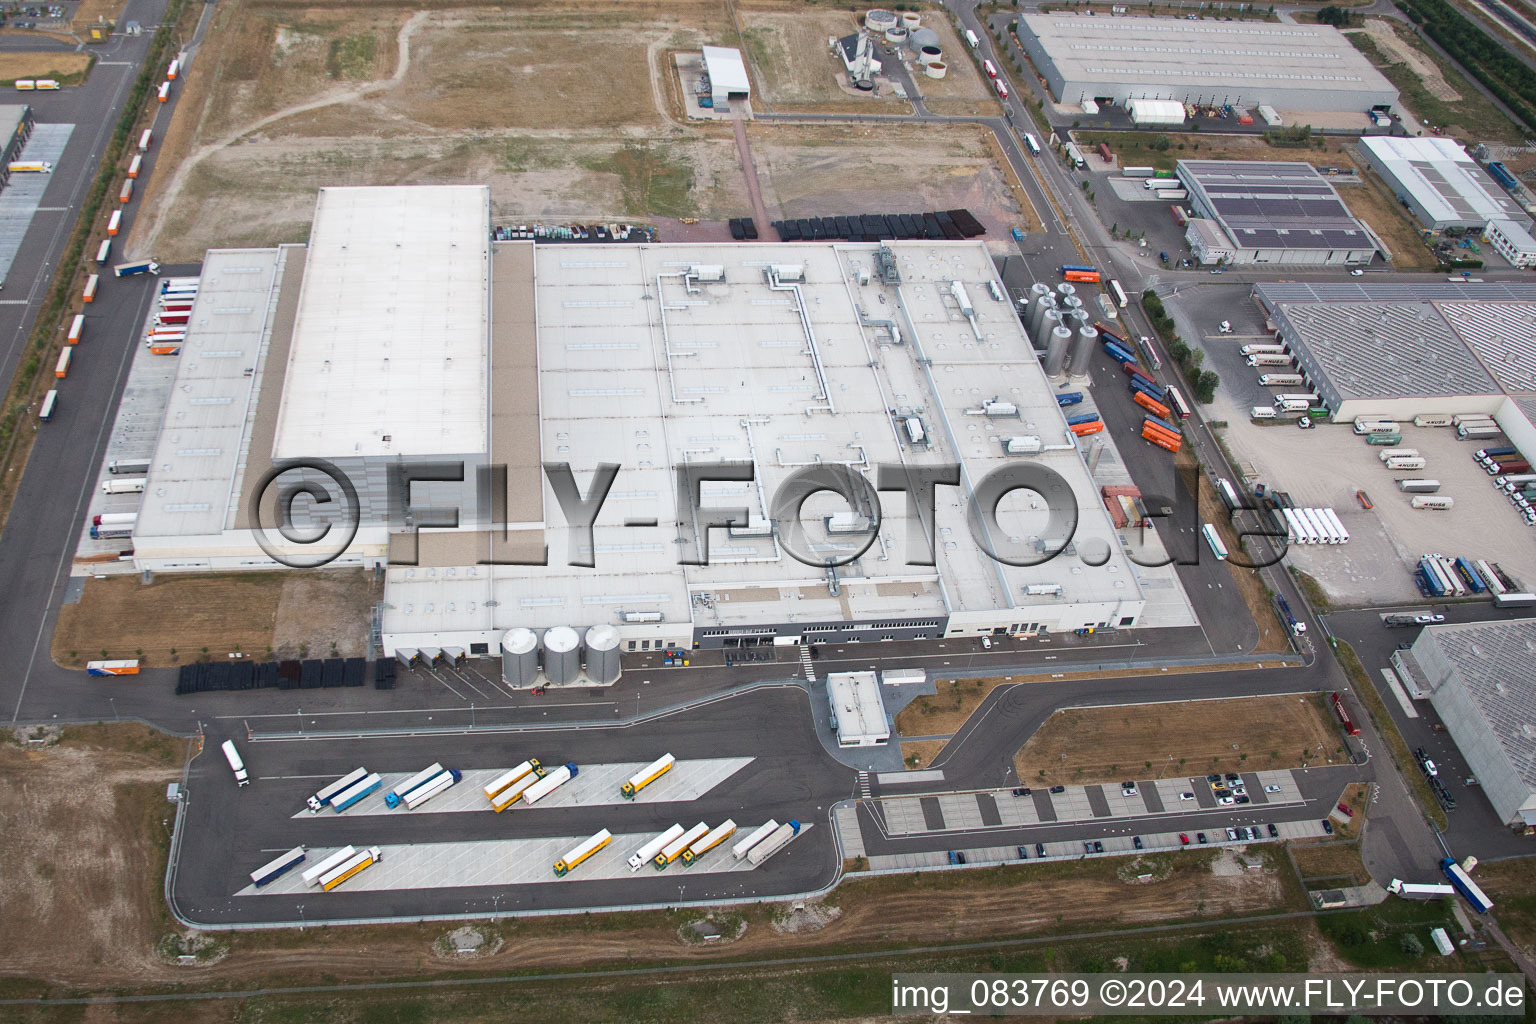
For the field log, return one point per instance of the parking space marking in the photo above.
(23, 194)
(960, 811)
(499, 862)
(903, 815)
(1017, 810)
(594, 785)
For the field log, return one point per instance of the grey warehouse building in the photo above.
(1283, 213)
(1289, 67)
(1479, 679)
(1403, 350)
(1440, 183)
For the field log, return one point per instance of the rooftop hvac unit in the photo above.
(788, 271)
(962, 298)
(1043, 589)
(707, 272)
(847, 522)
(640, 616)
(996, 409)
(1023, 445)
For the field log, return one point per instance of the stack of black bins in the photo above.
(384, 674)
(742, 228)
(203, 677)
(877, 227)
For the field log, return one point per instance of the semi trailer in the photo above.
(647, 775)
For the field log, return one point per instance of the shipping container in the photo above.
(1394, 453)
(1371, 425)
(1406, 462)
(61, 369)
(311, 876)
(1260, 412)
(346, 798)
(1477, 431)
(1281, 380)
(1463, 419)
(50, 403)
(397, 795)
(276, 867)
(550, 782)
(1384, 439)
(1438, 504)
(135, 164)
(1085, 429)
(1150, 404)
(742, 847)
(1082, 276)
(1270, 359)
(327, 793)
(1434, 419)
(1173, 195)
(1418, 485)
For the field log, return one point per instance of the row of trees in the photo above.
(1505, 75)
(1202, 383)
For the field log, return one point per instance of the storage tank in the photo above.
(911, 21)
(603, 655)
(1082, 351)
(918, 38)
(936, 69)
(520, 658)
(1069, 302)
(1056, 351)
(562, 659)
(1039, 288)
(1038, 307)
(879, 20)
(1048, 323)
(896, 34)
(1066, 288)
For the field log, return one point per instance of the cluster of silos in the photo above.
(1060, 329)
(560, 656)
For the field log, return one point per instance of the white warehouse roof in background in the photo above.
(727, 72)
(390, 343)
(1442, 178)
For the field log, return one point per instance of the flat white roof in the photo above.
(390, 344)
(1443, 179)
(726, 71)
(856, 704)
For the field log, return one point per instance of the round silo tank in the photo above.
(562, 657)
(1039, 288)
(1070, 302)
(936, 69)
(896, 35)
(1038, 306)
(1049, 321)
(602, 645)
(1082, 351)
(1066, 288)
(520, 658)
(929, 55)
(1056, 351)
(880, 21)
(911, 21)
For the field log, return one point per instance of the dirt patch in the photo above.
(920, 753)
(86, 831)
(1330, 865)
(94, 12)
(1385, 37)
(1190, 738)
(178, 619)
(804, 918)
(791, 61)
(66, 68)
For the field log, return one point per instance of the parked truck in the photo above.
(396, 795)
(330, 792)
(549, 783)
(582, 851)
(354, 864)
(774, 843)
(242, 778)
(1296, 626)
(512, 793)
(370, 783)
(136, 267)
(763, 831)
(120, 667)
(659, 842)
(1418, 485)
(713, 838)
(274, 868)
(312, 875)
(647, 775)
(675, 848)
(506, 779)
(427, 790)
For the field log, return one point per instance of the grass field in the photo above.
(1329, 865)
(178, 619)
(1180, 739)
(1511, 884)
(65, 68)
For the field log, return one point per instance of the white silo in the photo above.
(520, 658)
(602, 646)
(1049, 321)
(936, 69)
(911, 21)
(1056, 351)
(1082, 351)
(896, 35)
(562, 656)
(881, 21)
(1039, 305)
(1066, 288)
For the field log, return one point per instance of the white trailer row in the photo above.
(1313, 526)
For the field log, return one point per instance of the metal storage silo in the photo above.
(562, 657)
(936, 69)
(602, 646)
(1082, 351)
(1039, 288)
(520, 658)
(1066, 288)
(1070, 302)
(1056, 351)
(911, 21)
(1049, 321)
(879, 20)
(1039, 305)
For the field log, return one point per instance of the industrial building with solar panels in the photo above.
(402, 335)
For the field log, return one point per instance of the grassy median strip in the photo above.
(16, 444)
(1398, 747)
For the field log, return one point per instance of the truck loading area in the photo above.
(503, 862)
(596, 785)
(911, 815)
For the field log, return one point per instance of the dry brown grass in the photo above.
(1252, 733)
(795, 69)
(68, 68)
(1372, 202)
(94, 12)
(1254, 591)
(85, 852)
(920, 754)
(286, 613)
(1326, 865)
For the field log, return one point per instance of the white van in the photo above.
(1261, 412)
(242, 778)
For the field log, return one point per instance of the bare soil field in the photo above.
(67, 68)
(1252, 733)
(1330, 864)
(808, 172)
(85, 851)
(795, 69)
(920, 753)
(178, 619)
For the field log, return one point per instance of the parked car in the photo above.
(1327, 827)
(1226, 327)
(1232, 835)
(1183, 838)
(1225, 801)
(1087, 847)
(1098, 847)
(1039, 849)
(1127, 789)
(1429, 620)
(1240, 798)
(1201, 837)
(1021, 791)
(1058, 789)
(1213, 778)
(1357, 272)
(1344, 809)
(1274, 833)
(1136, 842)
(1234, 777)
(1023, 853)
(1271, 789)
(956, 857)
(1186, 796)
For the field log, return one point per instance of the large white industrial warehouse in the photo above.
(1204, 62)
(401, 335)
(1403, 350)
(1439, 181)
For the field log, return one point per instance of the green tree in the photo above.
(1205, 386)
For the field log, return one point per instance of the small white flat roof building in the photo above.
(857, 709)
(727, 74)
(389, 351)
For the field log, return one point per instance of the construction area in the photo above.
(299, 100)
